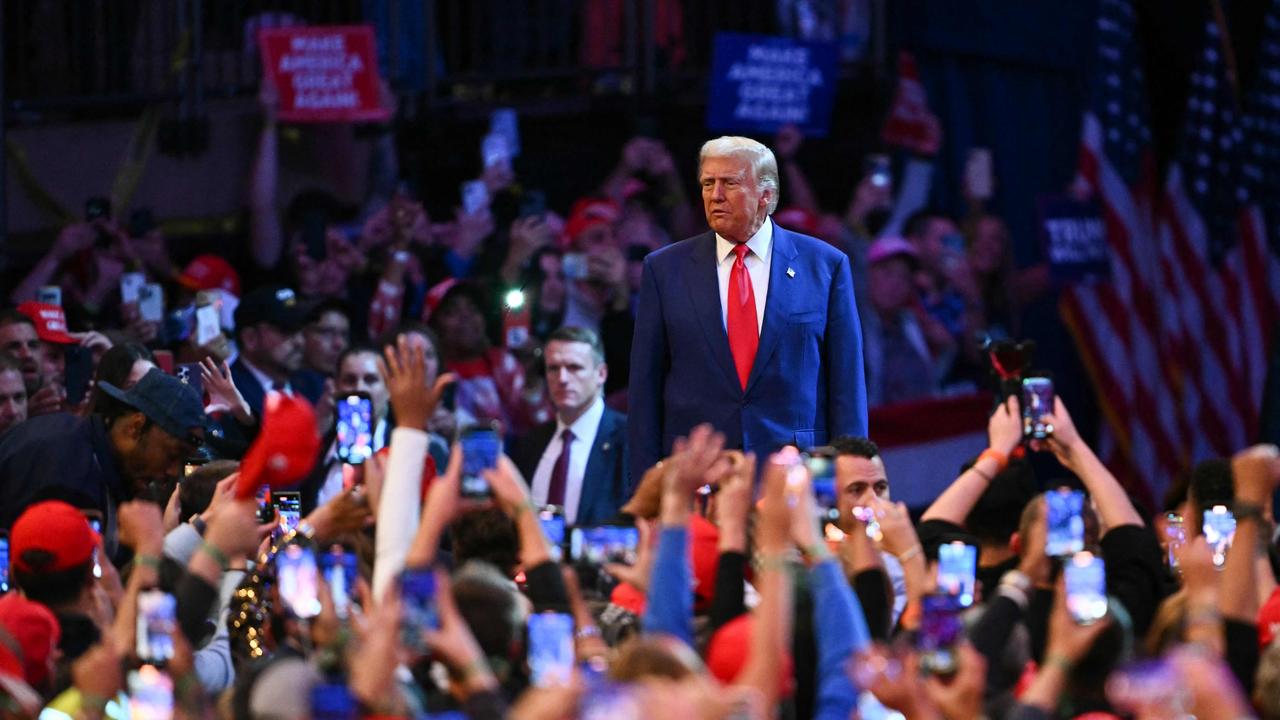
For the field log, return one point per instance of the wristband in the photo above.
(218, 556)
(150, 561)
(1002, 460)
(198, 523)
(914, 551)
(1202, 614)
(1060, 661)
(772, 561)
(524, 507)
(1246, 511)
(817, 551)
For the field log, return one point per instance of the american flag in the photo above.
(1176, 339)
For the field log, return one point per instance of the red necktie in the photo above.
(744, 334)
(560, 471)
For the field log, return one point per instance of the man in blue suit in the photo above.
(750, 327)
(579, 461)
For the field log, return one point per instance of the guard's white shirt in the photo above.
(584, 437)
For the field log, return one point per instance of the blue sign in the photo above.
(1074, 238)
(760, 83)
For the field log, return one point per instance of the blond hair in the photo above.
(763, 164)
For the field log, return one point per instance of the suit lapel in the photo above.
(595, 491)
(778, 304)
(704, 292)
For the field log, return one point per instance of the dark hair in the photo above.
(486, 535)
(587, 336)
(918, 221)
(490, 606)
(195, 492)
(479, 297)
(858, 446)
(114, 367)
(1212, 484)
(11, 316)
(994, 518)
(51, 588)
(327, 306)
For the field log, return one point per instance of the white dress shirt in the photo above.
(265, 380)
(333, 481)
(584, 436)
(757, 262)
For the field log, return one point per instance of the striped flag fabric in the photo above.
(1176, 339)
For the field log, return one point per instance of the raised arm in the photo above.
(265, 234)
(1004, 432)
(1114, 507)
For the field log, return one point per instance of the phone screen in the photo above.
(553, 527)
(150, 694)
(822, 469)
(4, 563)
(296, 578)
(266, 509)
(957, 570)
(574, 266)
(418, 607)
(1219, 531)
(1037, 400)
(189, 374)
(604, 544)
(551, 652)
(481, 448)
(1065, 524)
(289, 505)
(340, 573)
(1175, 536)
(355, 429)
(940, 629)
(1086, 580)
(157, 620)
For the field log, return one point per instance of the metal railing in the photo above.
(89, 56)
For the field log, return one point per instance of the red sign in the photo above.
(323, 74)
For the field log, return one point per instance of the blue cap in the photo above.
(166, 401)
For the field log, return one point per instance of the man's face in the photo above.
(573, 375)
(53, 363)
(461, 327)
(359, 374)
(889, 284)
(274, 350)
(734, 202)
(13, 399)
(551, 293)
(148, 453)
(324, 340)
(19, 339)
(858, 480)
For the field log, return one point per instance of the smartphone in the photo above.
(495, 150)
(604, 544)
(130, 286)
(208, 327)
(4, 562)
(880, 171)
(150, 694)
(333, 701)
(355, 428)
(1065, 522)
(533, 204)
(151, 302)
(78, 371)
(1175, 536)
(978, 174)
(418, 606)
(289, 505)
(504, 122)
(821, 463)
(297, 580)
(341, 571)
(1219, 531)
(481, 448)
(141, 222)
(49, 295)
(190, 374)
(1086, 579)
(156, 623)
(94, 518)
(553, 526)
(957, 571)
(611, 701)
(940, 630)
(266, 508)
(1037, 400)
(475, 196)
(191, 465)
(574, 266)
(551, 652)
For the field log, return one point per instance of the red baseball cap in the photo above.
(50, 322)
(285, 450)
(730, 647)
(56, 528)
(798, 219)
(210, 272)
(588, 213)
(36, 631)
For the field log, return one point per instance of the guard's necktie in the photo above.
(560, 471)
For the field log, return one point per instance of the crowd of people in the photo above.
(430, 539)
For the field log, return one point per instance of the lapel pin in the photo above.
(791, 273)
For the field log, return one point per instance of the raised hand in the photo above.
(223, 393)
(404, 369)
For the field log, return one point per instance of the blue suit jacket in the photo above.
(807, 383)
(605, 485)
